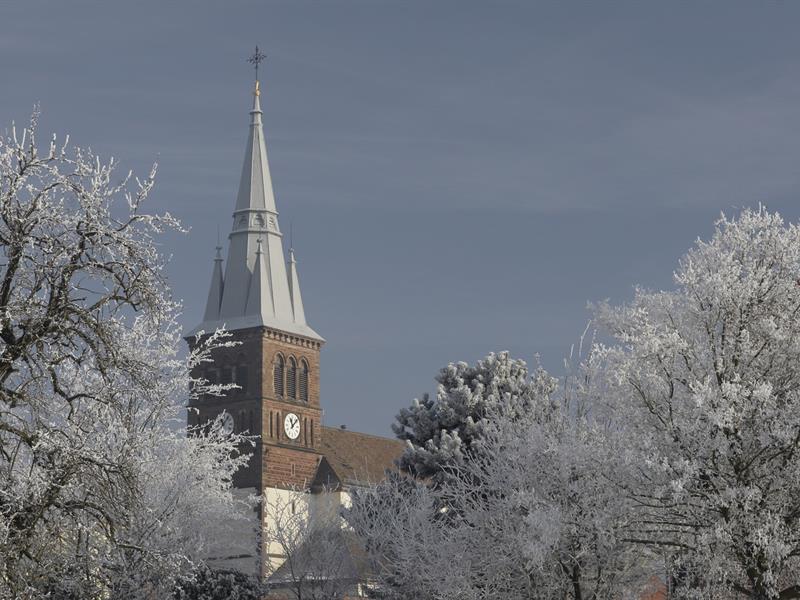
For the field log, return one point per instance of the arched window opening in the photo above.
(291, 379)
(304, 381)
(227, 375)
(278, 375)
(241, 378)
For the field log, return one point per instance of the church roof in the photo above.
(352, 458)
(258, 288)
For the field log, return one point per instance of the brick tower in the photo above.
(276, 364)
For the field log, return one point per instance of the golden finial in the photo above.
(258, 91)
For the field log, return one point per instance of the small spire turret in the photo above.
(215, 291)
(298, 312)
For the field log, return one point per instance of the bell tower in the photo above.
(256, 296)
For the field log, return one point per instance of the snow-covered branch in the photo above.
(99, 492)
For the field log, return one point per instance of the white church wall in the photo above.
(293, 511)
(281, 509)
(327, 505)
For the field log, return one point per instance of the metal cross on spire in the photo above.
(257, 58)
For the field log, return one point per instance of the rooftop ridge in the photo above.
(372, 435)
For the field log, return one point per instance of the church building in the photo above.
(255, 294)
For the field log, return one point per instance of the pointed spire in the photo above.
(298, 312)
(259, 299)
(215, 291)
(254, 218)
(258, 288)
(255, 186)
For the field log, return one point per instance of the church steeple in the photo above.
(294, 290)
(256, 289)
(215, 291)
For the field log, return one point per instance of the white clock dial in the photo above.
(227, 423)
(291, 425)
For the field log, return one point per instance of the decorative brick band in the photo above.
(291, 338)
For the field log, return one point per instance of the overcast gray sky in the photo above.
(461, 177)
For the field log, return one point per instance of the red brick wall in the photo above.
(277, 461)
(288, 467)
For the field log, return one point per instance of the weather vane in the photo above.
(258, 57)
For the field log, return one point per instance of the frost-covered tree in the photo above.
(444, 430)
(398, 521)
(708, 376)
(532, 510)
(549, 503)
(205, 583)
(101, 494)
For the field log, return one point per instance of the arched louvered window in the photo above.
(291, 379)
(278, 373)
(303, 381)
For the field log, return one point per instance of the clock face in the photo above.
(227, 423)
(291, 425)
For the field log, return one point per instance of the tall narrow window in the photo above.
(303, 380)
(227, 375)
(278, 375)
(241, 378)
(291, 378)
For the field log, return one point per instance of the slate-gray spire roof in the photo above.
(215, 291)
(256, 289)
(294, 289)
